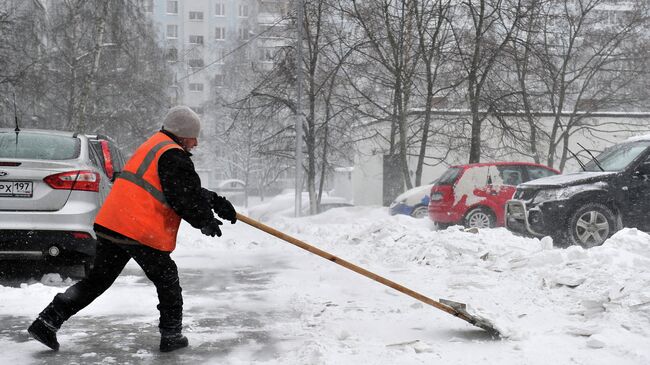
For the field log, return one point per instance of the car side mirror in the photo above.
(643, 170)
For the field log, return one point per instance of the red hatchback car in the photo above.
(475, 195)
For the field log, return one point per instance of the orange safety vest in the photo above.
(136, 206)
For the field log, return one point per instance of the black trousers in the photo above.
(110, 259)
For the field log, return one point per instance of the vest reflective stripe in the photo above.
(138, 177)
(136, 206)
(146, 162)
(139, 181)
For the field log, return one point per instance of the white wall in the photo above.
(367, 180)
(367, 177)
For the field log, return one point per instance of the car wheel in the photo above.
(442, 226)
(480, 218)
(420, 212)
(590, 225)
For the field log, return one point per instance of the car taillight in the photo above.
(81, 235)
(74, 180)
(436, 196)
(108, 161)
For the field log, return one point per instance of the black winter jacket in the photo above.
(181, 186)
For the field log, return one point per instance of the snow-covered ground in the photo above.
(557, 306)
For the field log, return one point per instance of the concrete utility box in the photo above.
(342, 181)
(367, 180)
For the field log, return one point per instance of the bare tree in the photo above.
(482, 29)
(390, 59)
(105, 70)
(578, 57)
(21, 56)
(432, 29)
(257, 151)
(275, 89)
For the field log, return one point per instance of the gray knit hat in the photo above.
(182, 122)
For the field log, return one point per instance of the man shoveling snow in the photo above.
(140, 219)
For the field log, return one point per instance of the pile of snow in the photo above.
(553, 305)
(537, 295)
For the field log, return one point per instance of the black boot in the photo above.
(172, 342)
(44, 333)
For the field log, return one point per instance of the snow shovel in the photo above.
(454, 308)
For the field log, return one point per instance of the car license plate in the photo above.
(18, 189)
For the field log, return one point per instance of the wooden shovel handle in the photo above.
(353, 267)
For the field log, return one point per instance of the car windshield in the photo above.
(617, 157)
(449, 177)
(37, 146)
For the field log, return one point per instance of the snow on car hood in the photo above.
(575, 178)
(418, 192)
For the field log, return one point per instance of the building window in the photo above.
(245, 54)
(196, 39)
(172, 6)
(587, 105)
(196, 86)
(220, 54)
(198, 109)
(267, 54)
(612, 16)
(243, 10)
(219, 80)
(220, 33)
(147, 5)
(195, 62)
(171, 55)
(172, 31)
(220, 9)
(196, 15)
(244, 33)
(270, 7)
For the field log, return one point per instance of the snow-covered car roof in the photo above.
(418, 191)
(283, 205)
(227, 183)
(643, 137)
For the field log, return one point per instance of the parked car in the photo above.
(587, 207)
(233, 189)
(413, 202)
(52, 184)
(475, 195)
(284, 205)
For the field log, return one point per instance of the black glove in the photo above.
(224, 208)
(212, 229)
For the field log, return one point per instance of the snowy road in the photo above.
(251, 299)
(215, 327)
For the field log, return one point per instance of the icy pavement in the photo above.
(250, 298)
(226, 314)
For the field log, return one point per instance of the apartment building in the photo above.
(202, 36)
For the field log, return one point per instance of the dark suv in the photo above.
(587, 207)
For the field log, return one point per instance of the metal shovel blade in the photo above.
(474, 319)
